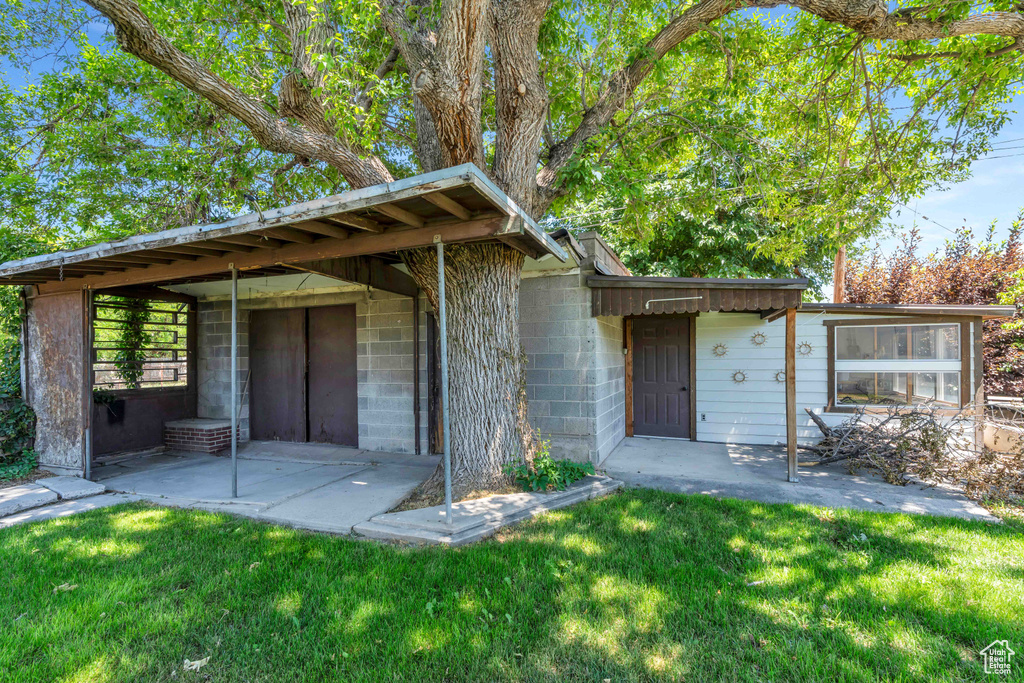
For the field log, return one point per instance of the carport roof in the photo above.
(460, 204)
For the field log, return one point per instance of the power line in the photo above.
(1004, 156)
(918, 213)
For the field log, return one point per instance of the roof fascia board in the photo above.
(988, 311)
(624, 281)
(484, 186)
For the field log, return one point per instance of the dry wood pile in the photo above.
(926, 443)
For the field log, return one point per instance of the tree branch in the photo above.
(1016, 46)
(621, 87)
(137, 35)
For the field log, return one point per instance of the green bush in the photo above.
(546, 473)
(17, 421)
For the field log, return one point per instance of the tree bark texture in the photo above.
(486, 362)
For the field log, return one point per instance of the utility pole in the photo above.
(839, 269)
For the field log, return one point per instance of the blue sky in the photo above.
(994, 192)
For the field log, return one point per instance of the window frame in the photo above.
(190, 311)
(966, 378)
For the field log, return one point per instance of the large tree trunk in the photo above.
(486, 363)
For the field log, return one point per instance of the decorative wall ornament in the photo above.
(739, 377)
(805, 348)
(759, 339)
(719, 349)
(780, 376)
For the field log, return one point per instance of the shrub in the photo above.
(17, 421)
(544, 472)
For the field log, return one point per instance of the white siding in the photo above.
(755, 410)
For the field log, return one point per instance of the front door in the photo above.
(661, 376)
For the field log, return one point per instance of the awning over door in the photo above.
(626, 295)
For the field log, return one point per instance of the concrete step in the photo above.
(476, 519)
(71, 488)
(15, 499)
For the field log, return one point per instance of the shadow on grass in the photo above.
(639, 586)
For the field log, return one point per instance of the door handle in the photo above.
(683, 389)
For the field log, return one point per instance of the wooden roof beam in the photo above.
(121, 264)
(443, 201)
(322, 228)
(196, 251)
(358, 244)
(352, 220)
(140, 258)
(400, 214)
(245, 243)
(290, 235)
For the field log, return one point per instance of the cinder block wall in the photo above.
(575, 371)
(574, 380)
(213, 363)
(610, 390)
(383, 355)
(384, 340)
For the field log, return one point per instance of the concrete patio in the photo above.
(308, 486)
(759, 473)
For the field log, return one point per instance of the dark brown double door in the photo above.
(661, 376)
(303, 363)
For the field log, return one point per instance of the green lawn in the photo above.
(638, 586)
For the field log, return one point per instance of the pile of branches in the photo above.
(930, 444)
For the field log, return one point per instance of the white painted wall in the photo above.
(755, 410)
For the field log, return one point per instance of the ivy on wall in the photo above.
(17, 420)
(132, 341)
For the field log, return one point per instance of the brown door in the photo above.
(661, 377)
(277, 359)
(332, 375)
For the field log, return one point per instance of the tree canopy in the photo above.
(798, 114)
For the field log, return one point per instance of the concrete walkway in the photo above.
(24, 502)
(759, 473)
(308, 486)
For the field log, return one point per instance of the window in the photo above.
(139, 343)
(902, 363)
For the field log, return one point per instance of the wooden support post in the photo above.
(628, 341)
(87, 302)
(978, 380)
(791, 459)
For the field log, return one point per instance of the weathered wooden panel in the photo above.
(277, 356)
(332, 401)
(56, 378)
